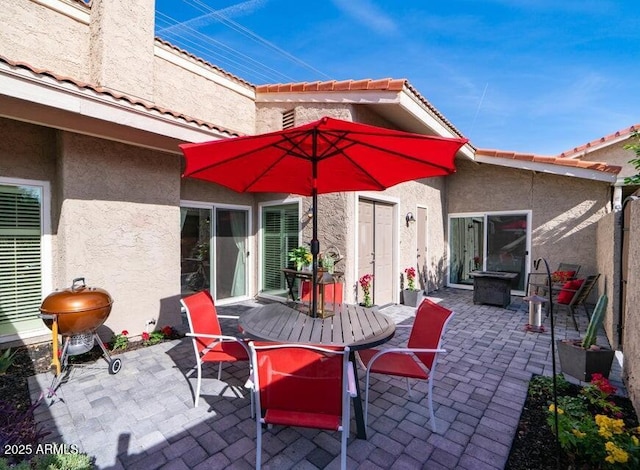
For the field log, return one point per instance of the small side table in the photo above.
(324, 278)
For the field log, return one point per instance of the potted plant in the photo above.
(583, 358)
(301, 256)
(365, 283)
(411, 295)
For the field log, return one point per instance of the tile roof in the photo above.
(223, 72)
(128, 99)
(576, 152)
(384, 84)
(560, 161)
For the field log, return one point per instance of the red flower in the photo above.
(145, 336)
(365, 281)
(125, 333)
(167, 331)
(411, 273)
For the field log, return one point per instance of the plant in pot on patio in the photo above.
(583, 358)
(301, 256)
(365, 283)
(411, 295)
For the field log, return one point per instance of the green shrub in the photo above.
(542, 386)
(63, 462)
(6, 359)
(52, 462)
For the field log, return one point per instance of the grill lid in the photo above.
(77, 298)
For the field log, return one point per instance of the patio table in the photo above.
(352, 325)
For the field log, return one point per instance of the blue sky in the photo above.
(540, 76)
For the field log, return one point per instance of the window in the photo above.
(280, 234)
(496, 241)
(20, 258)
(195, 257)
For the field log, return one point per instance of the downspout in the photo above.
(622, 281)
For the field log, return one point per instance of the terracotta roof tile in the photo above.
(367, 84)
(204, 62)
(560, 161)
(577, 151)
(116, 95)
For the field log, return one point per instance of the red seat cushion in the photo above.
(226, 352)
(569, 290)
(393, 363)
(303, 419)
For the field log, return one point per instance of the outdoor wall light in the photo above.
(409, 218)
(310, 212)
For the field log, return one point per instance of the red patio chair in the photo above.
(302, 385)
(209, 344)
(574, 293)
(425, 344)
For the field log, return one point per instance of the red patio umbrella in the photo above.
(324, 156)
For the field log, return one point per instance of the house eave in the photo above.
(43, 100)
(553, 169)
(398, 107)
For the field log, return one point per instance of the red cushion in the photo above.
(302, 419)
(568, 290)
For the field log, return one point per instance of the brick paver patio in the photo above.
(143, 417)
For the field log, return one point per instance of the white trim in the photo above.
(72, 10)
(342, 97)
(25, 85)
(250, 242)
(175, 58)
(550, 168)
(46, 249)
(395, 252)
(410, 103)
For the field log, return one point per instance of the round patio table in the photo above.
(352, 325)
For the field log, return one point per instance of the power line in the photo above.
(185, 33)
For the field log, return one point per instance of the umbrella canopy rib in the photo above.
(325, 156)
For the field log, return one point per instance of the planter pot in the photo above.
(581, 363)
(411, 298)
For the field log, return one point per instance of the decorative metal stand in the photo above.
(536, 304)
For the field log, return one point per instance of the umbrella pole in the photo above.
(315, 249)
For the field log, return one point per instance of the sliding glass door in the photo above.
(231, 234)
(214, 250)
(466, 244)
(497, 241)
(507, 246)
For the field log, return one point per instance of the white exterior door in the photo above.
(422, 261)
(375, 249)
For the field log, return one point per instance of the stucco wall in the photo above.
(614, 155)
(194, 95)
(631, 332)
(608, 262)
(121, 49)
(119, 222)
(44, 38)
(27, 151)
(565, 210)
